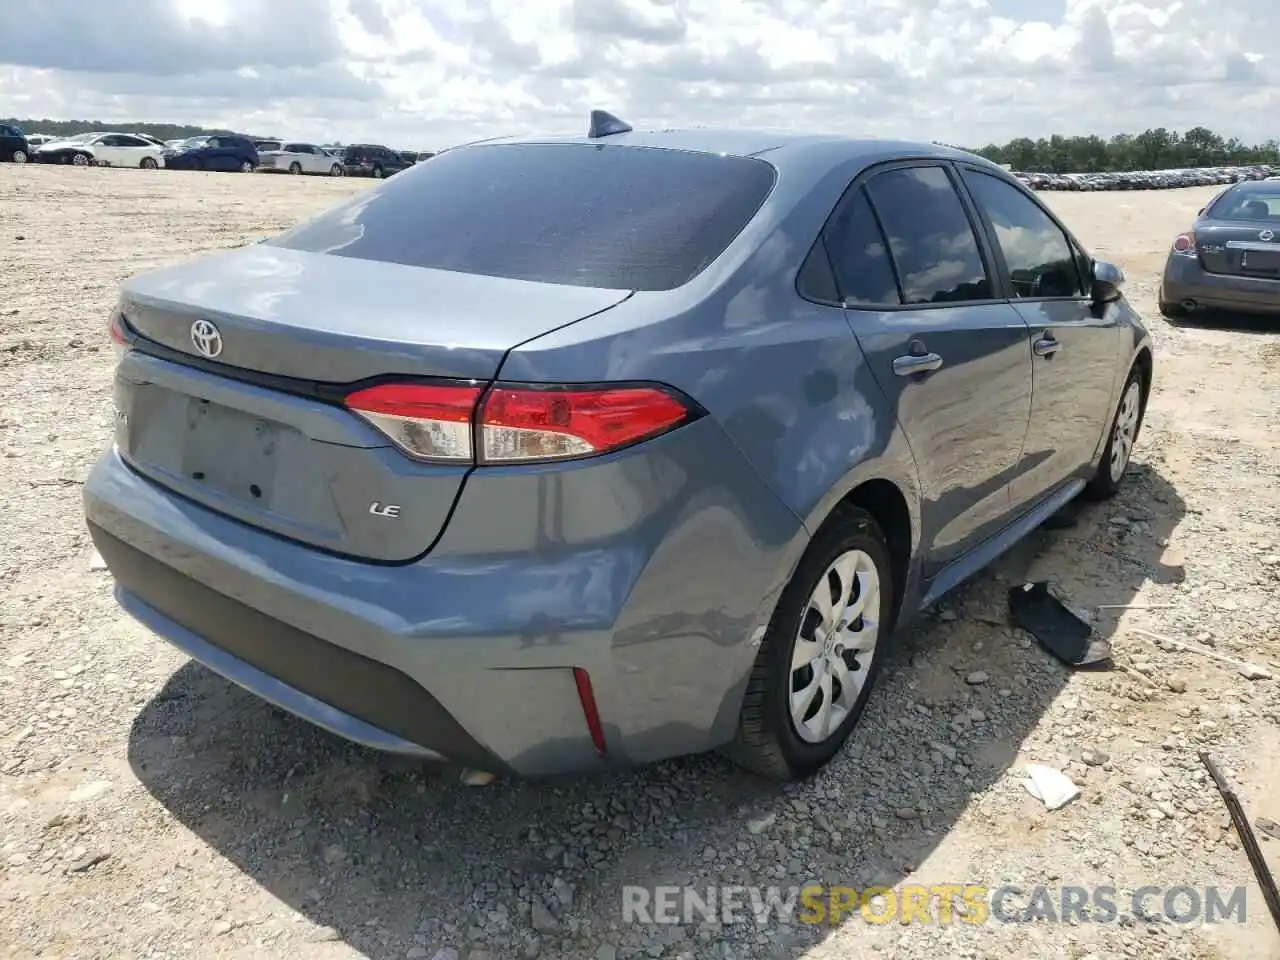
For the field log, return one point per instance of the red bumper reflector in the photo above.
(588, 699)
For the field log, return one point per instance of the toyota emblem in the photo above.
(1266, 235)
(206, 339)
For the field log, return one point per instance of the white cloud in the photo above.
(428, 73)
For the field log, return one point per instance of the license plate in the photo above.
(232, 452)
(1260, 260)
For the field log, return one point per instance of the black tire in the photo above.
(1175, 311)
(246, 167)
(19, 156)
(377, 173)
(335, 171)
(1107, 480)
(82, 159)
(148, 163)
(295, 168)
(767, 743)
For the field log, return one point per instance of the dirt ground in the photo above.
(150, 809)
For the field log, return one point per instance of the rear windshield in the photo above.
(623, 218)
(1247, 205)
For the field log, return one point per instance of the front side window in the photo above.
(1036, 252)
(931, 240)
(590, 215)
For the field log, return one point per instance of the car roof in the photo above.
(782, 148)
(1251, 186)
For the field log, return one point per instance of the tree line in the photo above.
(161, 131)
(1156, 149)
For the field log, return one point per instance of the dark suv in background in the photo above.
(372, 160)
(13, 144)
(222, 151)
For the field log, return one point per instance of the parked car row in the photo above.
(355, 160)
(1146, 179)
(221, 151)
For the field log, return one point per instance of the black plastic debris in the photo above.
(1270, 894)
(1059, 631)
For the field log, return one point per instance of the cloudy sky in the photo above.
(429, 73)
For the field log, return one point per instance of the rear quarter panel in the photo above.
(783, 377)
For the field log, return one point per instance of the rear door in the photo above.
(106, 149)
(1076, 347)
(220, 154)
(309, 157)
(131, 150)
(944, 344)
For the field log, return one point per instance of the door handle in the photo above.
(1046, 347)
(914, 363)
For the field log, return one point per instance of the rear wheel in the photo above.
(19, 156)
(295, 168)
(377, 173)
(81, 159)
(821, 653)
(1124, 434)
(246, 167)
(335, 171)
(148, 163)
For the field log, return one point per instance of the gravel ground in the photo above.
(149, 809)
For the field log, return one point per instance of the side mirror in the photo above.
(1108, 281)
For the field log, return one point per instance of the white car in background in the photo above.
(299, 158)
(104, 150)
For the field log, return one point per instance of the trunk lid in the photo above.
(1239, 248)
(276, 451)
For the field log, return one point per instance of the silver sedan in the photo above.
(299, 158)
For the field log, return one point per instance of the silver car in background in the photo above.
(299, 158)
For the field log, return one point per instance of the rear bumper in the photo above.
(656, 587)
(1186, 280)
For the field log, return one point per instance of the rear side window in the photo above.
(625, 218)
(1040, 261)
(859, 256)
(930, 237)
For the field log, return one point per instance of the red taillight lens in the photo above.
(531, 423)
(1184, 244)
(116, 331)
(516, 423)
(427, 421)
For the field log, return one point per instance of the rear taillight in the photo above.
(118, 333)
(522, 423)
(427, 421)
(1184, 244)
(517, 423)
